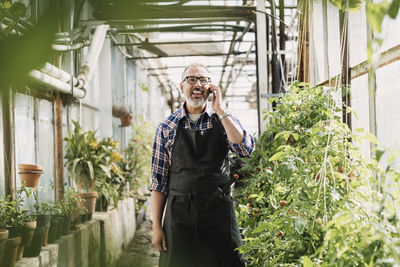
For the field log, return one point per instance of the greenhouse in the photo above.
(202, 133)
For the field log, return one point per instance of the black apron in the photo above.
(201, 230)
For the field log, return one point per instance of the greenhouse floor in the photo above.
(140, 252)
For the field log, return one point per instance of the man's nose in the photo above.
(198, 83)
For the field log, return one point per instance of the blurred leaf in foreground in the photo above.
(21, 54)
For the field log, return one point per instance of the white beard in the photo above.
(197, 104)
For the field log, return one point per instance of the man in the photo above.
(190, 175)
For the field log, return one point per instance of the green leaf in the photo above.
(277, 156)
(299, 225)
(106, 170)
(394, 8)
(307, 262)
(75, 162)
(261, 227)
(91, 172)
(370, 137)
(391, 158)
(21, 54)
(376, 14)
(278, 188)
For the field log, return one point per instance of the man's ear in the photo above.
(181, 87)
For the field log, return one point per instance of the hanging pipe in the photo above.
(65, 48)
(56, 84)
(92, 57)
(59, 74)
(59, 80)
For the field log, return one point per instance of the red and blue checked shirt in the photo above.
(164, 141)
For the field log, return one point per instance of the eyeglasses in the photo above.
(193, 79)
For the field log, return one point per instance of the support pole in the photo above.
(9, 142)
(303, 72)
(59, 147)
(58, 138)
(282, 37)
(276, 81)
(262, 74)
(345, 80)
(371, 94)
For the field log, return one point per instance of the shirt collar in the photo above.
(184, 112)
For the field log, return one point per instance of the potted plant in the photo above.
(30, 174)
(110, 186)
(3, 230)
(20, 226)
(69, 206)
(40, 236)
(83, 157)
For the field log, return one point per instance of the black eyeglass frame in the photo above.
(197, 78)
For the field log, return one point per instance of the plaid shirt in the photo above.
(164, 141)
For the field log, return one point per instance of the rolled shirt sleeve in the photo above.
(159, 163)
(245, 148)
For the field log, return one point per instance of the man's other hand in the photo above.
(159, 241)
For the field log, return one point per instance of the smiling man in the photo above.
(191, 180)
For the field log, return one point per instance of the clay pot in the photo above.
(27, 233)
(3, 238)
(88, 201)
(30, 174)
(126, 120)
(11, 251)
(29, 167)
(80, 185)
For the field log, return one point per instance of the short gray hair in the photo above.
(190, 66)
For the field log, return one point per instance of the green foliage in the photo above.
(137, 164)
(299, 177)
(24, 47)
(376, 13)
(347, 5)
(366, 232)
(87, 158)
(11, 213)
(311, 199)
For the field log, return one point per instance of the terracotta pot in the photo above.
(126, 120)
(88, 201)
(29, 167)
(11, 252)
(82, 186)
(26, 237)
(3, 238)
(31, 179)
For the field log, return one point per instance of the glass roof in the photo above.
(174, 43)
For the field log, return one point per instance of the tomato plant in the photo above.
(303, 160)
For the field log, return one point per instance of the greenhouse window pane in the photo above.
(24, 113)
(45, 148)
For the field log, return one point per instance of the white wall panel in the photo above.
(388, 106)
(357, 37)
(359, 102)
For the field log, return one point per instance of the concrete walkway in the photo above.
(140, 252)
